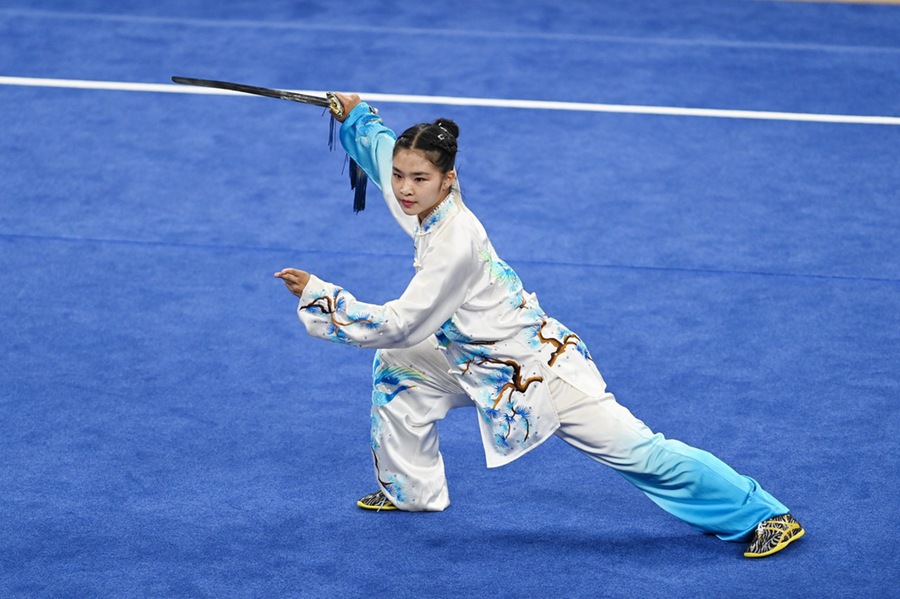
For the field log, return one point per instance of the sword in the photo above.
(358, 177)
(330, 100)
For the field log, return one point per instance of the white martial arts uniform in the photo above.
(465, 332)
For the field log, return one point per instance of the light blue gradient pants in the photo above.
(689, 483)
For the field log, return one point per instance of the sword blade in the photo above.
(268, 92)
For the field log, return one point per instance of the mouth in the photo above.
(406, 203)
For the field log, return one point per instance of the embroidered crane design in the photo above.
(395, 378)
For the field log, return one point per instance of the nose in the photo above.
(405, 188)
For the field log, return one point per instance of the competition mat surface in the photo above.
(706, 192)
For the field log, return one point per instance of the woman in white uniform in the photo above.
(465, 332)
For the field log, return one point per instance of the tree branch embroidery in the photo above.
(384, 484)
(524, 419)
(560, 346)
(328, 305)
(515, 384)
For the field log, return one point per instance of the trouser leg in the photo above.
(418, 392)
(689, 483)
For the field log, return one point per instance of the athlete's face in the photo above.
(418, 185)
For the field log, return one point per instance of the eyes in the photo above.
(416, 178)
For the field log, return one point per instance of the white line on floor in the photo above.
(484, 102)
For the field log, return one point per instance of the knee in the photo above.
(648, 454)
(672, 456)
(391, 376)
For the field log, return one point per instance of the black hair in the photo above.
(437, 141)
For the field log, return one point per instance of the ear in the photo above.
(448, 180)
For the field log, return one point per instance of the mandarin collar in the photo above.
(437, 215)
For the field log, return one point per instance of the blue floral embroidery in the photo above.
(436, 215)
(501, 272)
(511, 425)
(376, 430)
(450, 332)
(396, 485)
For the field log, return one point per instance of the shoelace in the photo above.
(780, 525)
(384, 501)
(381, 505)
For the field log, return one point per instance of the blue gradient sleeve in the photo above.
(368, 142)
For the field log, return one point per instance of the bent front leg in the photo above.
(412, 391)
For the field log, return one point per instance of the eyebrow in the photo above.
(397, 170)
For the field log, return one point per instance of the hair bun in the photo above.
(448, 126)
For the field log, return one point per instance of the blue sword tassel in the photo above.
(358, 178)
(358, 183)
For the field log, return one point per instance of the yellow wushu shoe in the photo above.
(377, 501)
(773, 535)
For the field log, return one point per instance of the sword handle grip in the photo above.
(335, 106)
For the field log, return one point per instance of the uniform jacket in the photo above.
(500, 345)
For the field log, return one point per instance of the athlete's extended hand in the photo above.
(295, 280)
(348, 103)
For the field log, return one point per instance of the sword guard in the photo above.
(334, 105)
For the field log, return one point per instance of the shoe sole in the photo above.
(777, 547)
(388, 507)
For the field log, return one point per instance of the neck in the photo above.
(425, 215)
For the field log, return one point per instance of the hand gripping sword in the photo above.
(358, 177)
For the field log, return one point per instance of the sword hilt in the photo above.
(334, 105)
